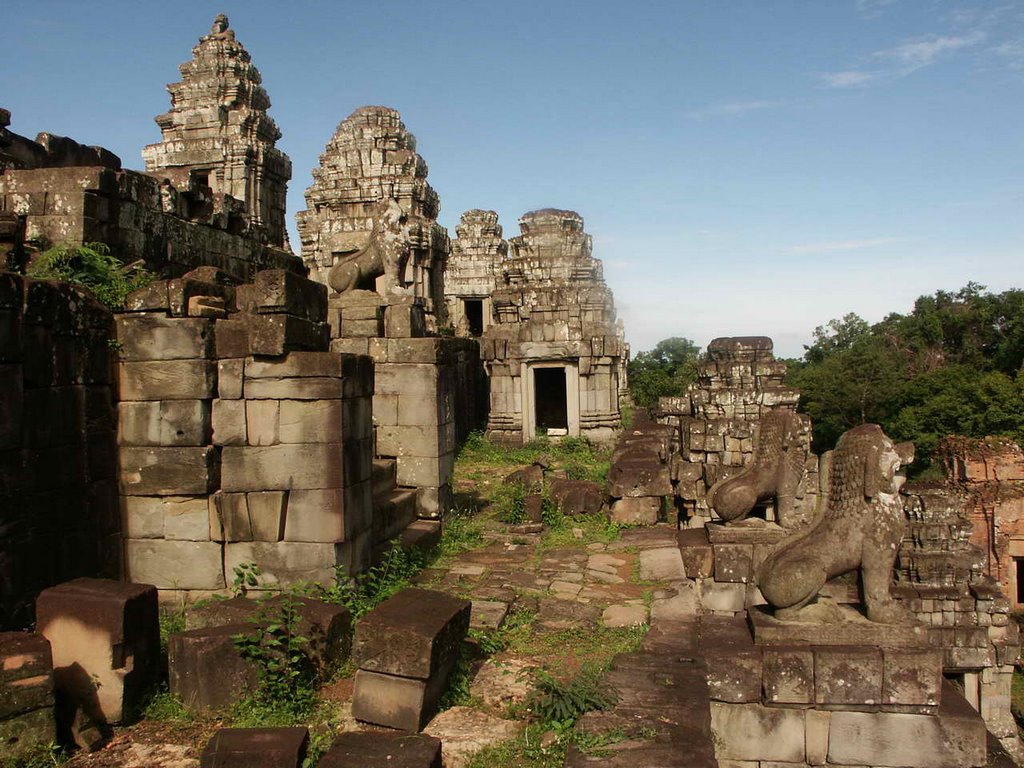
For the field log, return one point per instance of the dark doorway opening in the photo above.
(551, 406)
(474, 309)
(1018, 572)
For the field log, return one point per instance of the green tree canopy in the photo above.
(664, 371)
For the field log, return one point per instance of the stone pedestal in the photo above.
(205, 669)
(105, 637)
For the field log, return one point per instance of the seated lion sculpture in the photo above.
(776, 470)
(385, 254)
(862, 527)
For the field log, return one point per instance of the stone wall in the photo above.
(242, 439)
(553, 311)
(58, 467)
(370, 159)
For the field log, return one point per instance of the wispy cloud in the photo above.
(728, 108)
(871, 8)
(830, 246)
(1011, 53)
(903, 59)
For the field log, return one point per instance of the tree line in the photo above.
(952, 365)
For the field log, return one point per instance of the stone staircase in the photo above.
(394, 513)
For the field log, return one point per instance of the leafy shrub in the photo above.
(509, 502)
(94, 267)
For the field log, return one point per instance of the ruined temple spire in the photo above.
(218, 134)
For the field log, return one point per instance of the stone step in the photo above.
(393, 513)
(382, 477)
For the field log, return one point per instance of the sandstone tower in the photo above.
(474, 269)
(554, 353)
(219, 140)
(372, 158)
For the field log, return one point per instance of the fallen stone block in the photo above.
(26, 693)
(577, 497)
(277, 291)
(256, 748)
(382, 750)
(643, 510)
(413, 634)
(206, 672)
(404, 703)
(105, 639)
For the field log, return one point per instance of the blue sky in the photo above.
(744, 167)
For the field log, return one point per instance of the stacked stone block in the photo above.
(26, 693)
(58, 465)
(242, 439)
(639, 478)
(372, 157)
(405, 649)
(739, 381)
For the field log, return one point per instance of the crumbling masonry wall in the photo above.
(58, 466)
(242, 438)
(474, 270)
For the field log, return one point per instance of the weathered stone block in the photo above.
(229, 422)
(229, 378)
(788, 675)
(282, 467)
(22, 734)
(267, 514)
(174, 564)
(160, 471)
(105, 640)
(912, 677)
(275, 335)
(261, 421)
(398, 702)
(698, 556)
(722, 598)
(206, 671)
(172, 517)
(848, 675)
(284, 562)
(256, 747)
(643, 510)
(279, 291)
(164, 422)
(413, 634)
(296, 388)
(167, 380)
(26, 675)
(316, 515)
(157, 337)
(758, 733)
(383, 750)
(733, 562)
(304, 421)
(233, 514)
(955, 738)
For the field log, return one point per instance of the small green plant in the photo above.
(247, 575)
(559, 702)
(166, 708)
(91, 266)
(287, 675)
(42, 756)
(510, 503)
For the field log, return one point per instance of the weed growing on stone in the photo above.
(166, 708)
(92, 266)
(558, 702)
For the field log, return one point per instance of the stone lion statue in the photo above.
(778, 466)
(384, 255)
(861, 528)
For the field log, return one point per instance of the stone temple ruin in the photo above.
(296, 414)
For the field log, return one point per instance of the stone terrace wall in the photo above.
(242, 439)
(58, 493)
(134, 215)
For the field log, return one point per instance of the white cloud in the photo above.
(873, 7)
(731, 108)
(844, 245)
(1012, 53)
(848, 79)
(904, 59)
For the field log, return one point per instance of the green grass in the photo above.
(1017, 695)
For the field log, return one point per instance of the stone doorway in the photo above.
(551, 401)
(474, 312)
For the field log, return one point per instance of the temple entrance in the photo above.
(1018, 575)
(474, 311)
(551, 401)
